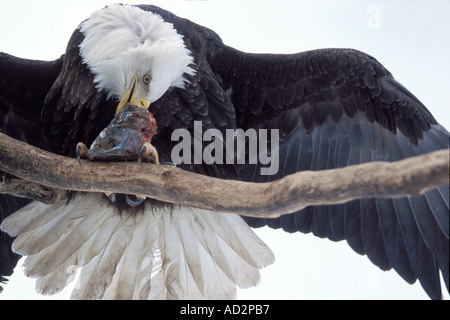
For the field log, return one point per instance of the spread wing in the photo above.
(335, 108)
(23, 85)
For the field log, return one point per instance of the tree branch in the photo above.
(25, 189)
(408, 177)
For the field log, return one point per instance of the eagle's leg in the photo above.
(81, 151)
(148, 153)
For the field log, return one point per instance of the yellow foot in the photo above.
(148, 150)
(81, 151)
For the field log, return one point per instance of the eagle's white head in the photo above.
(134, 54)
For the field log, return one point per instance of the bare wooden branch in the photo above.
(408, 177)
(25, 189)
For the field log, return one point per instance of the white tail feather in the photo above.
(161, 253)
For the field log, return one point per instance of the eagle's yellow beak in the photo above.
(131, 97)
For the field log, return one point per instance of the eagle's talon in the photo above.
(111, 196)
(148, 150)
(81, 151)
(136, 203)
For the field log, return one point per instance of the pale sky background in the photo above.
(410, 38)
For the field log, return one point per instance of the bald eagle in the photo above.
(331, 107)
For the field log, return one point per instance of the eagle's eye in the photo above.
(146, 78)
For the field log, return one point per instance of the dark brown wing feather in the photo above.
(334, 108)
(23, 87)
